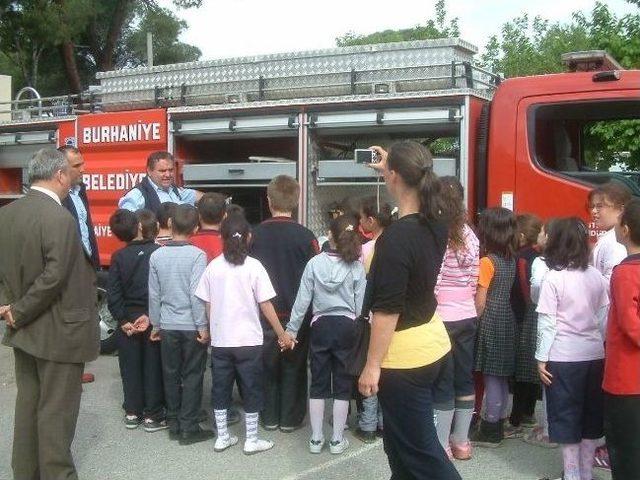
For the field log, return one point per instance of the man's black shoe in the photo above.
(366, 437)
(200, 435)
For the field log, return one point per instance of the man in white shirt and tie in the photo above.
(78, 205)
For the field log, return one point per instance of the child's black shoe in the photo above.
(151, 425)
(489, 434)
(200, 435)
(132, 421)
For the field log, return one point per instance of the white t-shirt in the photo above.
(574, 298)
(234, 293)
(538, 271)
(607, 253)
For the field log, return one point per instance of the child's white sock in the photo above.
(544, 420)
(316, 416)
(221, 423)
(340, 414)
(444, 419)
(463, 416)
(251, 423)
(571, 460)
(587, 449)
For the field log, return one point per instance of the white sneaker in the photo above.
(315, 446)
(252, 447)
(222, 443)
(337, 448)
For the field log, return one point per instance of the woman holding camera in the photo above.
(409, 342)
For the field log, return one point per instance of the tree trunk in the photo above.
(70, 67)
(94, 42)
(113, 36)
(35, 63)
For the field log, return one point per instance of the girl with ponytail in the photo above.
(409, 344)
(236, 288)
(333, 284)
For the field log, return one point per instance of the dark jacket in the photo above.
(68, 204)
(521, 291)
(151, 199)
(128, 286)
(49, 282)
(284, 247)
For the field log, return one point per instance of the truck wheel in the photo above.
(108, 325)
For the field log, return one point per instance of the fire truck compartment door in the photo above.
(17, 148)
(348, 172)
(384, 118)
(230, 127)
(246, 174)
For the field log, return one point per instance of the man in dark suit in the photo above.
(48, 301)
(78, 205)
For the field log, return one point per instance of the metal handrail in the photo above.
(32, 91)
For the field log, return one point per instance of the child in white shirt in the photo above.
(606, 204)
(572, 305)
(236, 288)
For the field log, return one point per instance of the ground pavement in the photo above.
(105, 450)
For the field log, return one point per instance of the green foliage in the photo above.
(432, 29)
(444, 146)
(166, 48)
(100, 34)
(609, 143)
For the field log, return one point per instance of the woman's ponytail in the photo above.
(430, 199)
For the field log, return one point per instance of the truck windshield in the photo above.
(593, 142)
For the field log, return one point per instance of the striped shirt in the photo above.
(458, 279)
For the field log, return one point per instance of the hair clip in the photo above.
(237, 235)
(349, 228)
(427, 168)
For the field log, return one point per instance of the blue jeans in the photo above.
(370, 418)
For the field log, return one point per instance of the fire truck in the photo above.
(234, 124)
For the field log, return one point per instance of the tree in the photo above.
(86, 36)
(433, 28)
(533, 47)
(166, 29)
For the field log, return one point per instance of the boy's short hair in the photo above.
(235, 209)
(283, 192)
(212, 207)
(165, 212)
(631, 218)
(614, 192)
(184, 220)
(148, 223)
(124, 225)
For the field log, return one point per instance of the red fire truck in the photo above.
(234, 124)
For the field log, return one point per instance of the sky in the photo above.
(231, 28)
